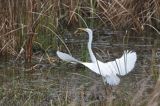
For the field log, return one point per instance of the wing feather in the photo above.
(67, 57)
(127, 62)
(124, 64)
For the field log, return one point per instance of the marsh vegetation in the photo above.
(31, 31)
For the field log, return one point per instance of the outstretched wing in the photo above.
(124, 64)
(67, 57)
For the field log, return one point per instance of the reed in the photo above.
(41, 25)
(60, 15)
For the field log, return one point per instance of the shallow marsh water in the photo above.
(60, 83)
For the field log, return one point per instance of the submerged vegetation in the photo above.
(32, 30)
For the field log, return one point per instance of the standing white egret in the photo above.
(109, 70)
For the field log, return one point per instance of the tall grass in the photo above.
(59, 15)
(40, 25)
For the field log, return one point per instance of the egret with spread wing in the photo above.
(109, 70)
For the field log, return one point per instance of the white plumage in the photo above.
(109, 70)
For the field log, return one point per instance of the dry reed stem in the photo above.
(131, 14)
(153, 99)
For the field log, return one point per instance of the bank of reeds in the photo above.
(26, 21)
(36, 25)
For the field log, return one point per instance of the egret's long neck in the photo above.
(93, 58)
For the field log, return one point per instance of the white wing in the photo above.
(67, 57)
(124, 64)
(120, 66)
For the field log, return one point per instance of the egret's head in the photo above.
(89, 31)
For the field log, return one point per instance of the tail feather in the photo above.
(112, 80)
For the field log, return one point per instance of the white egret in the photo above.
(109, 70)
